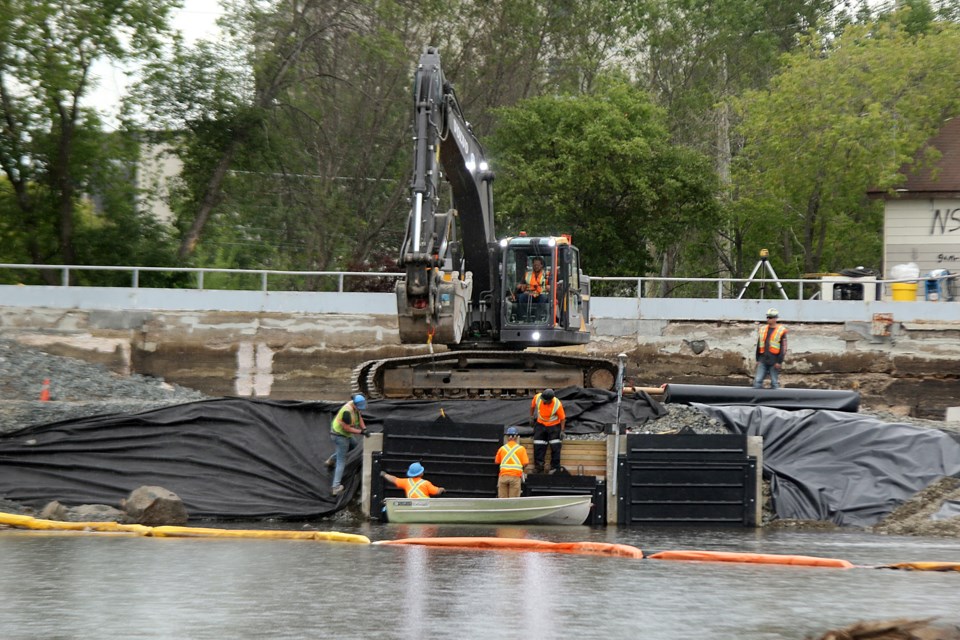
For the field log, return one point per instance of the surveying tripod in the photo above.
(763, 263)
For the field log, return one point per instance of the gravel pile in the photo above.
(77, 389)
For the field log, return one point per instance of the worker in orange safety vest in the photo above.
(771, 350)
(549, 421)
(512, 458)
(414, 485)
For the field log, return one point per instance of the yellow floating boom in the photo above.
(28, 522)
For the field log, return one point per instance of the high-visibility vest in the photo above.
(550, 419)
(536, 284)
(511, 461)
(337, 424)
(775, 338)
(414, 490)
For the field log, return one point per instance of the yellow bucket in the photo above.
(904, 291)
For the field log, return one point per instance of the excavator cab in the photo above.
(546, 297)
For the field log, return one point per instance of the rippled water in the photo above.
(106, 585)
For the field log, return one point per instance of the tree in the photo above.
(843, 117)
(53, 150)
(601, 167)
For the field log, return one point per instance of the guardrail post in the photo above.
(65, 277)
(639, 287)
(340, 283)
(136, 278)
(720, 289)
(263, 281)
(200, 280)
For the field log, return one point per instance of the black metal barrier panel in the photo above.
(687, 479)
(457, 457)
(564, 485)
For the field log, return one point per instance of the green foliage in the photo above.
(842, 118)
(600, 167)
(54, 152)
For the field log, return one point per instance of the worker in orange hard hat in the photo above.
(771, 350)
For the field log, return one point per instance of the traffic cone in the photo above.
(45, 391)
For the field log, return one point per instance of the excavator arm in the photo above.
(446, 279)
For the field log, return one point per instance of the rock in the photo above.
(83, 513)
(902, 629)
(54, 511)
(94, 513)
(155, 506)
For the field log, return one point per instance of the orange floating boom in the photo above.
(523, 544)
(923, 566)
(754, 558)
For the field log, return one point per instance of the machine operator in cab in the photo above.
(534, 287)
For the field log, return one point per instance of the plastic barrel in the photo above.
(904, 291)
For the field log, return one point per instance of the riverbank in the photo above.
(79, 389)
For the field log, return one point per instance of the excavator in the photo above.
(490, 302)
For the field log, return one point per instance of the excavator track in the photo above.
(479, 374)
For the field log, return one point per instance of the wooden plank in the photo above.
(590, 455)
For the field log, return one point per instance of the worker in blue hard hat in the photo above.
(771, 350)
(513, 460)
(347, 423)
(414, 485)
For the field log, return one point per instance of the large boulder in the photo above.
(155, 506)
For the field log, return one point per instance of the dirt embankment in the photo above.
(79, 389)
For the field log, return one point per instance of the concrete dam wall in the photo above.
(910, 366)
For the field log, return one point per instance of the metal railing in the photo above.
(724, 287)
(201, 272)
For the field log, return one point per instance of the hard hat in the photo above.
(512, 431)
(548, 395)
(773, 313)
(416, 469)
(360, 402)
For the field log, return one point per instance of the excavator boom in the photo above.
(466, 290)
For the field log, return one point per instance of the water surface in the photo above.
(64, 585)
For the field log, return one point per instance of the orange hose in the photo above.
(523, 544)
(755, 558)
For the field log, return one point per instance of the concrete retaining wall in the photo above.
(281, 354)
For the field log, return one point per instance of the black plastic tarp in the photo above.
(587, 410)
(236, 458)
(949, 509)
(783, 398)
(846, 468)
(225, 458)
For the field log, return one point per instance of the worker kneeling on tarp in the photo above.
(512, 458)
(414, 485)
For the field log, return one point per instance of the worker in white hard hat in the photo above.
(771, 350)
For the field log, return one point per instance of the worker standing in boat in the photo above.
(345, 424)
(771, 350)
(549, 422)
(414, 485)
(512, 458)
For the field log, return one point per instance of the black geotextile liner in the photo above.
(784, 398)
(587, 410)
(236, 458)
(841, 467)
